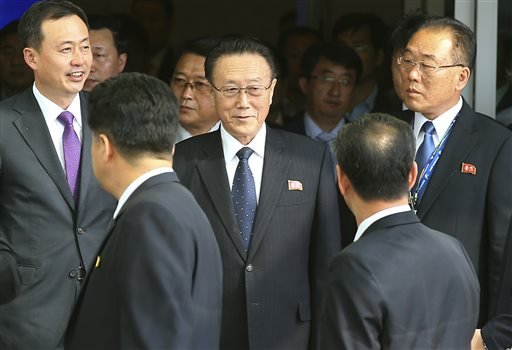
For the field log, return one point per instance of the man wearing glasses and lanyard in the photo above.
(464, 158)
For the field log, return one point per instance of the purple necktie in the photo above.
(72, 149)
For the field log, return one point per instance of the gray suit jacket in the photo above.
(271, 294)
(50, 236)
(401, 286)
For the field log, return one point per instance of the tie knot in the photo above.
(244, 153)
(325, 137)
(66, 118)
(428, 128)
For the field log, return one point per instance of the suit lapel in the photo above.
(212, 170)
(458, 146)
(274, 179)
(85, 161)
(30, 125)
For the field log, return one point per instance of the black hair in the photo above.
(138, 112)
(376, 153)
(30, 26)
(338, 53)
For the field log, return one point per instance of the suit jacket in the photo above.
(400, 286)
(347, 220)
(475, 209)
(271, 293)
(49, 234)
(497, 333)
(9, 277)
(157, 283)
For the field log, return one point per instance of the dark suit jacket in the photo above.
(401, 286)
(271, 293)
(49, 234)
(347, 220)
(497, 333)
(158, 280)
(9, 277)
(475, 209)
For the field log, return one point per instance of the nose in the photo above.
(335, 89)
(243, 99)
(187, 91)
(414, 72)
(78, 58)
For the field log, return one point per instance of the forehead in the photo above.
(242, 67)
(431, 43)
(103, 35)
(64, 29)
(190, 62)
(325, 65)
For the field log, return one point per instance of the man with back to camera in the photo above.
(271, 199)
(157, 281)
(192, 89)
(52, 211)
(465, 189)
(400, 285)
(108, 47)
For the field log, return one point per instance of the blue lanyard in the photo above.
(426, 174)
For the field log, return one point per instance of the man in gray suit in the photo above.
(400, 285)
(275, 215)
(53, 213)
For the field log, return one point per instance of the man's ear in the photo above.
(30, 57)
(413, 173)
(463, 78)
(107, 148)
(343, 182)
(304, 85)
(122, 62)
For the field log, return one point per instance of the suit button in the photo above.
(73, 274)
(249, 268)
(80, 231)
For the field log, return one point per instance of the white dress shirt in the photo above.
(231, 146)
(51, 112)
(363, 226)
(136, 183)
(441, 124)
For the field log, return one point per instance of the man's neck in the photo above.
(363, 90)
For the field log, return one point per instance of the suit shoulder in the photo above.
(294, 140)
(491, 126)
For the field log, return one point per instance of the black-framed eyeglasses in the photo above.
(406, 64)
(199, 86)
(327, 79)
(252, 90)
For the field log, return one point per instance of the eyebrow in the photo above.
(68, 42)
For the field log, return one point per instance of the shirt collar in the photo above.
(231, 146)
(364, 107)
(363, 226)
(313, 130)
(441, 123)
(51, 111)
(136, 183)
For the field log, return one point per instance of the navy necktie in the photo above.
(427, 146)
(243, 193)
(72, 152)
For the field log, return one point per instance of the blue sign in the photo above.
(13, 9)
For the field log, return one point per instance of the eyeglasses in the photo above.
(252, 90)
(423, 68)
(328, 80)
(198, 86)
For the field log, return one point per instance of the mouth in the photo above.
(186, 108)
(76, 76)
(412, 91)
